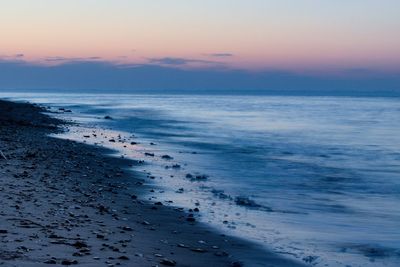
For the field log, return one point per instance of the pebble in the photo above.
(69, 262)
(168, 262)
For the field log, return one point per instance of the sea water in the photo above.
(314, 178)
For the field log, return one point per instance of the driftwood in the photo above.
(2, 155)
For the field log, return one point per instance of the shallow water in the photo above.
(316, 178)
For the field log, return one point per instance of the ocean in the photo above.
(314, 178)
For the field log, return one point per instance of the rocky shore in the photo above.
(67, 203)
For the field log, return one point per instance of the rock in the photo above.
(190, 218)
(125, 258)
(108, 117)
(310, 259)
(85, 250)
(168, 157)
(50, 261)
(3, 231)
(127, 228)
(168, 262)
(199, 250)
(201, 177)
(100, 236)
(245, 201)
(79, 245)
(103, 208)
(69, 262)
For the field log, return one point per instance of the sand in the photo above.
(67, 203)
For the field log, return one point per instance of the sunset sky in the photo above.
(303, 37)
(254, 34)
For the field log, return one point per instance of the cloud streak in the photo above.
(70, 59)
(18, 56)
(221, 55)
(178, 61)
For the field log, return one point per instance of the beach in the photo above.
(67, 203)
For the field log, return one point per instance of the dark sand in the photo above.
(63, 202)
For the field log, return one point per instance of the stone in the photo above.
(168, 262)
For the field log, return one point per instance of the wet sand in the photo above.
(67, 203)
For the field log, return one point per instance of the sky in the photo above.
(338, 39)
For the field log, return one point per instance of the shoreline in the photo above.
(65, 202)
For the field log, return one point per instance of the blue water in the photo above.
(314, 178)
